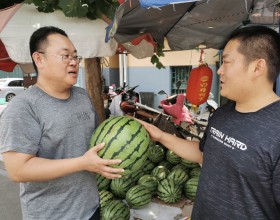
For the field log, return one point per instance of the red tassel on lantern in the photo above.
(199, 85)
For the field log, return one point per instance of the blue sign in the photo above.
(112, 28)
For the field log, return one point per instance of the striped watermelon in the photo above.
(189, 164)
(150, 182)
(179, 176)
(102, 182)
(180, 166)
(195, 172)
(115, 210)
(138, 196)
(148, 166)
(160, 172)
(172, 157)
(190, 188)
(156, 153)
(169, 191)
(105, 197)
(125, 139)
(152, 143)
(120, 186)
(166, 164)
(136, 175)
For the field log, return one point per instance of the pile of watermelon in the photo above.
(161, 173)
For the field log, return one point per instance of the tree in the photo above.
(94, 85)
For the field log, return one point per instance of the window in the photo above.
(16, 83)
(179, 74)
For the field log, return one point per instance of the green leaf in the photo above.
(154, 59)
(160, 65)
(107, 8)
(73, 8)
(159, 51)
(44, 6)
(91, 9)
(92, 14)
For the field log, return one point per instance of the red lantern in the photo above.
(199, 85)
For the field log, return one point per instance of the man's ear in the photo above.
(37, 58)
(260, 67)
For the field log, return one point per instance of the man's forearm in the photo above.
(34, 169)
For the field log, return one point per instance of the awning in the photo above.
(87, 35)
(6, 63)
(190, 24)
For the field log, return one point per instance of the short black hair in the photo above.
(260, 42)
(39, 37)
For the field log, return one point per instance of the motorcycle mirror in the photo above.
(124, 85)
(131, 89)
(162, 92)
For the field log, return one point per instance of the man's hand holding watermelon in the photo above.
(93, 163)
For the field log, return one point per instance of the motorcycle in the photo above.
(123, 102)
(188, 119)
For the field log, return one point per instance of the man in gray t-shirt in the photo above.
(45, 135)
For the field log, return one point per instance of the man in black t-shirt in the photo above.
(240, 150)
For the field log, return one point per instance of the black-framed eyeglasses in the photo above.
(65, 58)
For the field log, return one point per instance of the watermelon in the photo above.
(150, 182)
(105, 197)
(166, 164)
(138, 196)
(148, 166)
(125, 139)
(180, 166)
(160, 172)
(179, 176)
(152, 143)
(102, 182)
(156, 153)
(190, 188)
(172, 157)
(195, 172)
(115, 210)
(189, 164)
(120, 186)
(169, 191)
(136, 175)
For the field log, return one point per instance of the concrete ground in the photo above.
(9, 197)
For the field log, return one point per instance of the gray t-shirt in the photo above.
(38, 124)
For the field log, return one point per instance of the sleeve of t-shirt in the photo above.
(203, 140)
(19, 129)
(204, 137)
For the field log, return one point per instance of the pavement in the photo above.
(9, 196)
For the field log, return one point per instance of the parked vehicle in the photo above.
(123, 101)
(10, 87)
(188, 119)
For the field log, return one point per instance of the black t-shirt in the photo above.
(241, 166)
